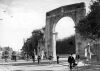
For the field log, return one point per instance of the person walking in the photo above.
(77, 57)
(57, 59)
(33, 58)
(14, 55)
(39, 58)
(71, 61)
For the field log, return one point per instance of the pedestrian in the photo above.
(77, 57)
(33, 58)
(14, 55)
(57, 59)
(45, 55)
(39, 58)
(71, 61)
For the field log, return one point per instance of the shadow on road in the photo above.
(34, 63)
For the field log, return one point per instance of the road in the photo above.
(22, 65)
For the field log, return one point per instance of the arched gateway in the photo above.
(75, 11)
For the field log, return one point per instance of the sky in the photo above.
(18, 18)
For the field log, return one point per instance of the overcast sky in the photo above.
(18, 18)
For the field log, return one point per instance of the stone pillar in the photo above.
(89, 50)
(47, 37)
(86, 52)
(54, 46)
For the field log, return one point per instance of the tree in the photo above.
(37, 35)
(26, 47)
(5, 55)
(89, 26)
(6, 52)
(31, 43)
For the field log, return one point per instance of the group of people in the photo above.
(50, 58)
(71, 60)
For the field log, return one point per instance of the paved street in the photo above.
(22, 65)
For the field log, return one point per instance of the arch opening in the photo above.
(64, 28)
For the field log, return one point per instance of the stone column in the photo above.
(86, 52)
(54, 46)
(89, 51)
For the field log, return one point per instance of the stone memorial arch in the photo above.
(75, 11)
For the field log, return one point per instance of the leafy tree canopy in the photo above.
(89, 26)
(31, 43)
